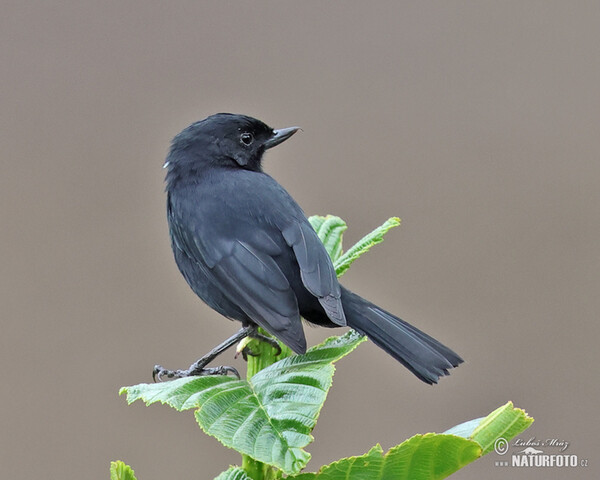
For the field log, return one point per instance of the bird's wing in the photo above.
(240, 260)
(316, 269)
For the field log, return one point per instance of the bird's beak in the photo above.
(279, 136)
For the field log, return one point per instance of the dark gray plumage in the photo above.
(246, 248)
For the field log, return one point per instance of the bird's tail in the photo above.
(423, 355)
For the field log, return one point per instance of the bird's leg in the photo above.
(198, 367)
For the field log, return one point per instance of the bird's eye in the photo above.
(246, 138)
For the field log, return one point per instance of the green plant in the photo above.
(269, 416)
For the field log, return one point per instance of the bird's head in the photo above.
(223, 140)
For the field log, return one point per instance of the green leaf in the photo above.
(120, 471)
(268, 417)
(330, 230)
(363, 245)
(431, 456)
(505, 422)
(234, 473)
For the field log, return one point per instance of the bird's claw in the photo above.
(159, 373)
(204, 371)
(274, 343)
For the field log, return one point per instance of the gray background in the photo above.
(476, 122)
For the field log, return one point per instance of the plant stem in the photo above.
(255, 470)
(265, 356)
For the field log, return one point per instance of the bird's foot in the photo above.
(263, 338)
(196, 370)
(199, 368)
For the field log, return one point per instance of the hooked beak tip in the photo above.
(280, 135)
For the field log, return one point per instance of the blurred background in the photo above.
(477, 123)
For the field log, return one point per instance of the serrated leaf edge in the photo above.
(364, 245)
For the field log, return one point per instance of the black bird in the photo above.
(246, 248)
